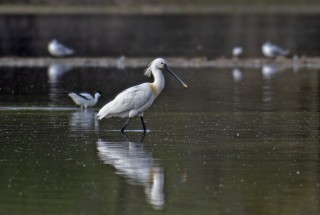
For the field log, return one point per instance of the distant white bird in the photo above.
(271, 50)
(85, 99)
(58, 50)
(237, 51)
(135, 100)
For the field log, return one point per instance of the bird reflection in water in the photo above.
(55, 73)
(83, 121)
(237, 74)
(237, 89)
(269, 71)
(132, 161)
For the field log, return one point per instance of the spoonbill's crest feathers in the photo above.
(158, 63)
(148, 71)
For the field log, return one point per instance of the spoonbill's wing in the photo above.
(133, 98)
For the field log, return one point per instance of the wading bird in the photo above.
(135, 100)
(85, 100)
(237, 51)
(272, 51)
(57, 49)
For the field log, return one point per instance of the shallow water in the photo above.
(237, 141)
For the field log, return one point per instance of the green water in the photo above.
(230, 144)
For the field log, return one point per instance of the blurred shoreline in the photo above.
(148, 9)
(178, 62)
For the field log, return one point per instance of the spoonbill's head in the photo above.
(161, 64)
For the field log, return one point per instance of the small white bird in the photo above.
(135, 100)
(58, 50)
(271, 50)
(237, 51)
(85, 99)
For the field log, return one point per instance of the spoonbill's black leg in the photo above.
(125, 125)
(125, 137)
(142, 137)
(143, 124)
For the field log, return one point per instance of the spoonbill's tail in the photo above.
(103, 112)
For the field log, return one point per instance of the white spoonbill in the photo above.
(58, 50)
(85, 99)
(135, 100)
(271, 50)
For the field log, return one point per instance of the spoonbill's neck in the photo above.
(158, 83)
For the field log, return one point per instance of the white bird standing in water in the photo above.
(237, 51)
(135, 100)
(85, 99)
(58, 50)
(271, 50)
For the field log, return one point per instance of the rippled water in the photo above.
(237, 141)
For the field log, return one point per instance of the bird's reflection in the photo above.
(237, 90)
(55, 73)
(268, 71)
(83, 121)
(132, 161)
(236, 74)
(268, 91)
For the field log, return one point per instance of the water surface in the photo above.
(237, 141)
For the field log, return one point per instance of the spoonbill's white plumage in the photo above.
(85, 99)
(58, 49)
(135, 100)
(271, 50)
(237, 51)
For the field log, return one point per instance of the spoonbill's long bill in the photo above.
(135, 100)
